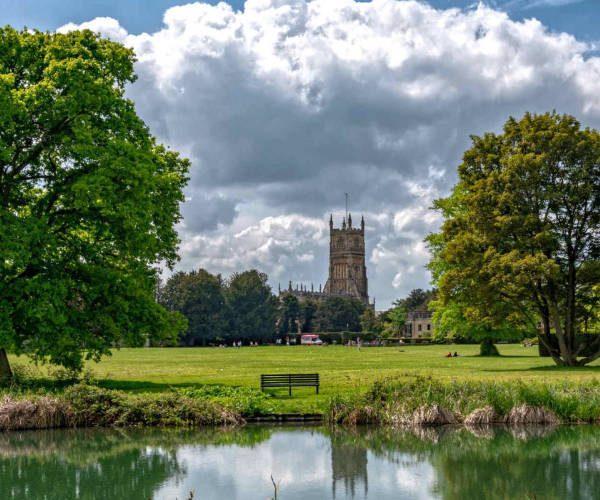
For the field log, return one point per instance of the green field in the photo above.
(342, 369)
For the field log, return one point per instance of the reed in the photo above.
(427, 401)
(83, 405)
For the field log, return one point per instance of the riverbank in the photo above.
(389, 402)
(430, 402)
(342, 370)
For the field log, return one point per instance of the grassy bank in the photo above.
(400, 401)
(206, 386)
(426, 401)
(343, 370)
(83, 405)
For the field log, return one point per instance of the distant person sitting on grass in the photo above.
(455, 354)
(449, 355)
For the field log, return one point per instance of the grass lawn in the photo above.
(341, 368)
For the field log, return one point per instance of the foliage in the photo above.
(339, 314)
(308, 310)
(397, 317)
(416, 299)
(369, 322)
(487, 348)
(252, 306)
(88, 201)
(84, 406)
(246, 401)
(289, 314)
(521, 241)
(396, 400)
(451, 324)
(200, 297)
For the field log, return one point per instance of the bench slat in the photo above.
(290, 380)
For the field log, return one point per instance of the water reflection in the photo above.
(311, 463)
(348, 465)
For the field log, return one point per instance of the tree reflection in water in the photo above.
(477, 463)
(348, 464)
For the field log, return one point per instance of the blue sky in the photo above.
(578, 17)
(286, 105)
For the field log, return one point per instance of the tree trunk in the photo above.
(487, 348)
(565, 352)
(5, 371)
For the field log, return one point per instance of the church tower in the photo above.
(347, 270)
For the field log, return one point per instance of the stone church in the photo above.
(347, 269)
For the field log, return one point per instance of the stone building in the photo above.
(418, 324)
(347, 268)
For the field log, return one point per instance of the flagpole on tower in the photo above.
(346, 205)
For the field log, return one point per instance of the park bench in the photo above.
(290, 380)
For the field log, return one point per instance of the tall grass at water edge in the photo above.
(408, 400)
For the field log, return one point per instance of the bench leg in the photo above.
(317, 389)
(290, 391)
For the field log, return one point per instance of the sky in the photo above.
(284, 106)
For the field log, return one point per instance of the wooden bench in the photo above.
(290, 380)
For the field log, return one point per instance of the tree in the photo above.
(368, 320)
(88, 202)
(397, 317)
(452, 324)
(252, 306)
(308, 309)
(199, 296)
(416, 299)
(290, 312)
(520, 244)
(337, 314)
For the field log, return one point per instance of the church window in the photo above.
(419, 328)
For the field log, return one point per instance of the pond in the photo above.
(308, 463)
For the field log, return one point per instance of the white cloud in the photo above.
(286, 105)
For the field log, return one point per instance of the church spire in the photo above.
(349, 221)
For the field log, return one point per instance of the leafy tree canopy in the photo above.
(200, 297)
(252, 306)
(520, 244)
(88, 201)
(337, 314)
(289, 314)
(416, 299)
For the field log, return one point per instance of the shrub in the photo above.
(413, 400)
(247, 401)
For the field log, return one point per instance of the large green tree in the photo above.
(252, 306)
(521, 241)
(289, 313)
(338, 314)
(199, 297)
(88, 201)
(416, 299)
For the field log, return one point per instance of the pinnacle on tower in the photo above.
(331, 222)
(349, 221)
(362, 222)
(344, 223)
(290, 287)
